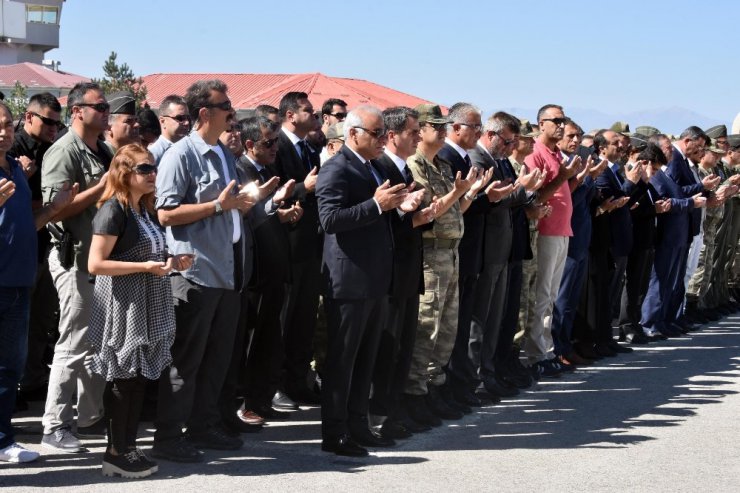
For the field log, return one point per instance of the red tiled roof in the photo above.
(33, 75)
(251, 90)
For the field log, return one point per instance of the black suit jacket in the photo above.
(408, 278)
(271, 244)
(620, 220)
(499, 227)
(470, 249)
(358, 247)
(305, 235)
(643, 219)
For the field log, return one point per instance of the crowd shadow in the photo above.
(608, 405)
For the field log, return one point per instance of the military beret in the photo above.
(716, 131)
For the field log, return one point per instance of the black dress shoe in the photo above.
(418, 411)
(394, 430)
(282, 401)
(343, 445)
(235, 426)
(603, 350)
(496, 387)
(616, 347)
(680, 328)
(414, 426)
(449, 398)
(637, 337)
(587, 350)
(269, 413)
(368, 438)
(177, 450)
(466, 397)
(711, 314)
(439, 407)
(670, 333)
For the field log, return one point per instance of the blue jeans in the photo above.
(14, 314)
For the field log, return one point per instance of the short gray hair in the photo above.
(354, 117)
(459, 111)
(501, 120)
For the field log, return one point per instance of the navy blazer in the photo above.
(408, 273)
(358, 247)
(673, 226)
(680, 171)
(304, 235)
(620, 220)
(580, 221)
(470, 250)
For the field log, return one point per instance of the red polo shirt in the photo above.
(548, 161)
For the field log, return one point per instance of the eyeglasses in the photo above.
(144, 169)
(99, 107)
(378, 134)
(179, 118)
(339, 116)
(48, 121)
(436, 126)
(475, 127)
(557, 121)
(224, 105)
(506, 142)
(267, 143)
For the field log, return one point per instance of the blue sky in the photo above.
(615, 57)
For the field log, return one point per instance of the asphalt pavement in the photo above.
(663, 418)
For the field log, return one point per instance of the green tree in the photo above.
(121, 78)
(17, 100)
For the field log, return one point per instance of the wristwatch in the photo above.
(219, 209)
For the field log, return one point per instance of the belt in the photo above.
(440, 243)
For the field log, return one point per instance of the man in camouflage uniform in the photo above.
(729, 232)
(438, 306)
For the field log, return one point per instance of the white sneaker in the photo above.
(16, 453)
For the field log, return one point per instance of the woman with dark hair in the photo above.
(133, 321)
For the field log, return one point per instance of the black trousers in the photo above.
(395, 350)
(639, 265)
(233, 386)
(487, 315)
(353, 329)
(510, 317)
(122, 402)
(189, 392)
(593, 319)
(460, 368)
(299, 321)
(266, 354)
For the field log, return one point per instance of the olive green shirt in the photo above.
(69, 160)
(436, 178)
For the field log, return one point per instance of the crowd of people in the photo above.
(398, 267)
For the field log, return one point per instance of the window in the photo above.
(44, 14)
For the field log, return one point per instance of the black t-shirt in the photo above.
(111, 219)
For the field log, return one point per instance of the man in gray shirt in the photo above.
(200, 204)
(174, 121)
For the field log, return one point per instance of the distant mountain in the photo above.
(669, 120)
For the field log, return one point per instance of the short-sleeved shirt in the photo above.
(159, 147)
(70, 160)
(548, 161)
(437, 180)
(190, 172)
(17, 233)
(114, 219)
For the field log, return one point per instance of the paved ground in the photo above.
(664, 418)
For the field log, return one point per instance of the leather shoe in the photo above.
(575, 359)
(498, 388)
(466, 397)
(414, 426)
(269, 413)
(343, 445)
(233, 424)
(617, 348)
(282, 401)
(587, 351)
(449, 398)
(250, 417)
(604, 350)
(368, 438)
(394, 430)
(439, 407)
(419, 412)
(637, 337)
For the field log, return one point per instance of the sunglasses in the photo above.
(179, 118)
(48, 121)
(99, 107)
(476, 127)
(339, 116)
(224, 105)
(268, 143)
(378, 134)
(506, 142)
(145, 169)
(557, 121)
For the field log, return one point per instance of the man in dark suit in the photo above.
(356, 269)
(494, 144)
(612, 184)
(660, 308)
(294, 160)
(397, 340)
(690, 145)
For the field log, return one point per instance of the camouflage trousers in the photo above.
(699, 282)
(527, 296)
(718, 293)
(732, 266)
(437, 329)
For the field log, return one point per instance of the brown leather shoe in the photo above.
(250, 417)
(576, 359)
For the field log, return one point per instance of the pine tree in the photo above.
(121, 78)
(18, 100)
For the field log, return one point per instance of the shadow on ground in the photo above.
(604, 406)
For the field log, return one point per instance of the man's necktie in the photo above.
(304, 155)
(407, 176)
(375, 174)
